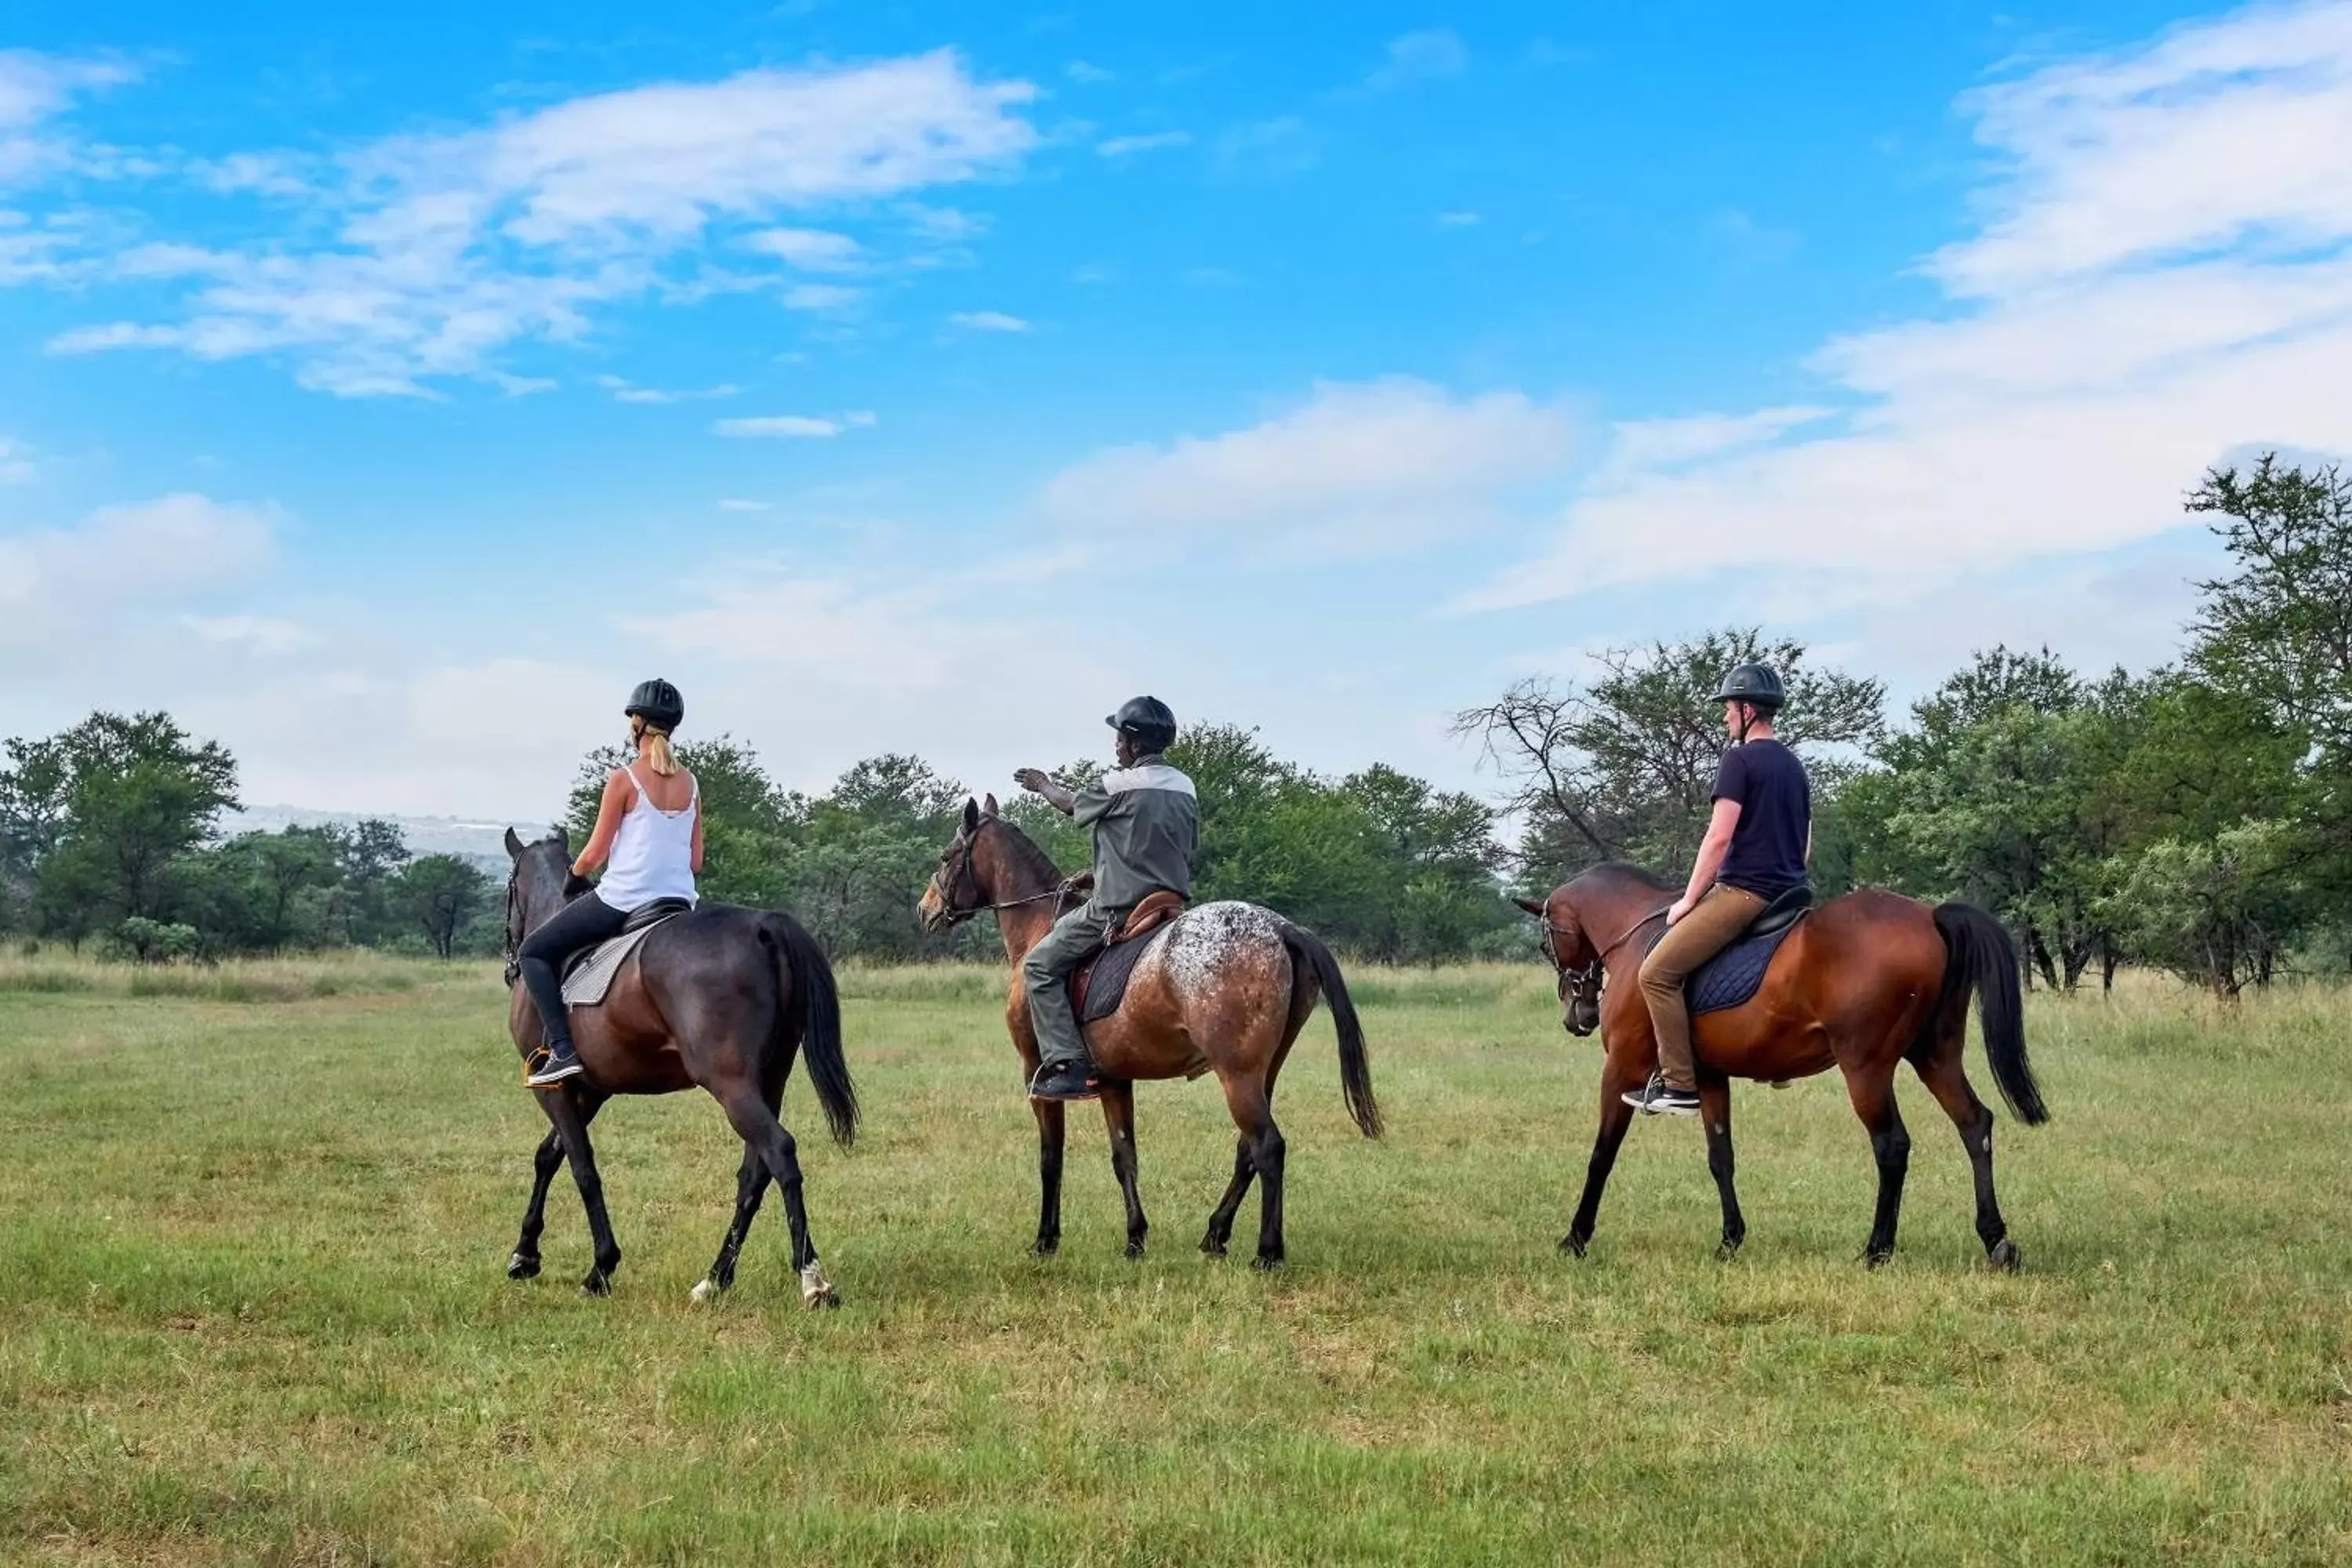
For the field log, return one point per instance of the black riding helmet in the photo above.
(1146, 721)
(656, 701)
(1755, 683)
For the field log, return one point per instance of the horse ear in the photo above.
(971, 816)
(1529, 905)
(563, 835)
(514, 846)
(988, 806)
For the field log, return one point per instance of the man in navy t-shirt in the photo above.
(1757, 845)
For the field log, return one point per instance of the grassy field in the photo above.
(252, 1305)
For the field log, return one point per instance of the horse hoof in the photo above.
(816, 1290)
(1213, 1249)
(1134, 1250)
(1729, 1251)
(2005, 1256)
(522, 1266)
(1873, 1261)
(1265, 1263)
(705, 1291)
(1573, 1245)
(1046, 1245)
(597, 1284)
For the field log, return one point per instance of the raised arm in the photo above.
(1035, 781)
(609, 812)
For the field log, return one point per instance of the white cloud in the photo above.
(15, 462)
(628, 392)
(734, 504)
(1093, 75)
(1420, 56)
(810, 249)
(1460, 219)
(446, 249)
(1378, 459)
(803, 426)
(988, 321)
(1121, 146)
(2162, 279)
(59, 584)
(258, 634)
(1269, 148)
(35, 89)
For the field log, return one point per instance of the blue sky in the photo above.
(386, 392)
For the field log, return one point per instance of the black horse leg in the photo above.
(1715, 1111)
(1616, 1116)
(1050, 1133)
(1221, 1221)
(1890, 1146)
(1118, 1116)
(1949, 1084)
(751, 1185)
(571, 1108)
(755, 1120)
(1254, 1114)
(545, 1161)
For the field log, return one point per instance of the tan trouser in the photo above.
(1713, 924)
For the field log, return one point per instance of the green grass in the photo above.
(252, 1305)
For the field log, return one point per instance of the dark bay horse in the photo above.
(1865, 982)
(720, 998)
(1226, 991)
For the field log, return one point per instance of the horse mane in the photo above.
(1028, 854)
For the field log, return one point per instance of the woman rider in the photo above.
(649, 827)
(1760, 841)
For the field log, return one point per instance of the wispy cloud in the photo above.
(1424, 56)
(988, 321)
(1269, 148)
(1457, 219)
(2162, 279)
(1092, 75)
(1124, 146)
(15, 462)
(446, 249)
(628, 392)
(70, 582)
(736, 504)
(36, 91)
(804, 426)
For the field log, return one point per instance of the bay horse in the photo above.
(1226, 990)
(1866, 981)
(719, 997)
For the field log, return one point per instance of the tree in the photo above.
(266, 891)
(113, 804)
(439, 894)
(2280, 628)
(2218, 913)
(1620, 768)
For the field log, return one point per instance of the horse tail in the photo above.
(1979, 957)
(1355, 1067)
(803, 963)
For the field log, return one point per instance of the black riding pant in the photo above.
(585, 920)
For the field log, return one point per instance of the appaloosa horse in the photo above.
(1863, 983)
(719, 997)
(1226, 990)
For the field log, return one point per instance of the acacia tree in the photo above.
(440, 893)
(1619, 767)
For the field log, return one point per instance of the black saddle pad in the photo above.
(1733, 976)
(1104, 985)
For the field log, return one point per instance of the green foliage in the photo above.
(2216, 914)
(440, 894)
(156, 942)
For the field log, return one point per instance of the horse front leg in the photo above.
(1118, 1116)
(1051, 1127)
(545, 1161)
(1616, 1116)
(750, 1184)
(572, 1108)
(1715, 1111)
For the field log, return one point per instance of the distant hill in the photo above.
(483, 843)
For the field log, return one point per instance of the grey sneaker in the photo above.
(559, 1064)
(1657, 1098)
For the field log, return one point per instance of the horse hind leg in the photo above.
(756, 1122)
(1253, 1115)
(1947, 1080)
(1221, 1221)
(1890, 1146)
(751, 1185)
(546, 1160)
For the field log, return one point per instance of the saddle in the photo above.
(1734, 974)
(592, 968)
(1100, 983)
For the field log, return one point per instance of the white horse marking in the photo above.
(706, 1291)
(816, 1290)
(1205, 941)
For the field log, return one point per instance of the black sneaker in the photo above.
(1064, 1081)
(1657, 1098)
(560, 1063)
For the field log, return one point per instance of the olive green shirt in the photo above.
(1146, 821)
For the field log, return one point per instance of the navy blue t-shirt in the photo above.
(1766, 856)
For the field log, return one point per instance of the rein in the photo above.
(1588, 974)
(958, 914)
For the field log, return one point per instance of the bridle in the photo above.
(1587, 974)
(956, 913)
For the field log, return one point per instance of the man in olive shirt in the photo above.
(1145, 819)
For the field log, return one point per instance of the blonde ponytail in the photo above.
(653, 745)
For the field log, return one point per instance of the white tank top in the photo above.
(653, 854)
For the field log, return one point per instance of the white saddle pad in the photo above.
(586, 985)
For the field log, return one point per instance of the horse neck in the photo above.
(1610, 910)
(1006, 874)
